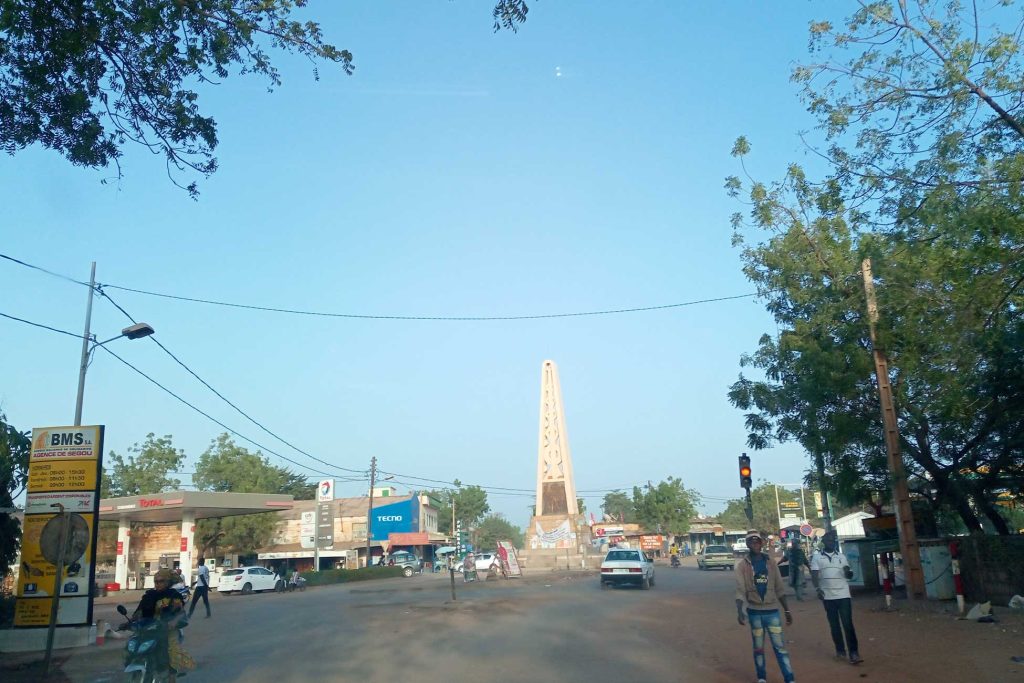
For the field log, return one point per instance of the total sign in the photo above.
(325, 491)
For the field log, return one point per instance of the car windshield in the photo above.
(232, 572)
(716, 549)
(628, 555)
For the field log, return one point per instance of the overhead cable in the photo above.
(366, 316)
(223, 397)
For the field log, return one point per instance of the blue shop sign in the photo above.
(401, 517)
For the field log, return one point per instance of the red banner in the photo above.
(184, 544)
(120, 547)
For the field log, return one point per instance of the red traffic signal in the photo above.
(746, 481)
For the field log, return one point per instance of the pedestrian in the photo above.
(202, 588)
(830, 574)
(797, 562)
(759, 586)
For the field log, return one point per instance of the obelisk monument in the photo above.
(556, 522)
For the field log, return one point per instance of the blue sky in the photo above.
(575, 166)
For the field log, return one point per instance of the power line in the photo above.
(223, 397)
(360, 316)
(215, 420)
(40, 325)
(436, 318)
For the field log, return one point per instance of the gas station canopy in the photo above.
(169, 507)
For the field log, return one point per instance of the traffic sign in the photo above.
(806, 529)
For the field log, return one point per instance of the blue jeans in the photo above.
(770, 620)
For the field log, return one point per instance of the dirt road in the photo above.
(553, 627)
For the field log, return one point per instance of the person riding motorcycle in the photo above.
(165, 604)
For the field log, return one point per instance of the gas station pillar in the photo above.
(123, 541)
(188, 533)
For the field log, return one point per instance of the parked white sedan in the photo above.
(627, 566)
(245, 580)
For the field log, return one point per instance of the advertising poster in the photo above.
(65, 466)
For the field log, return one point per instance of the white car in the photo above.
(740, 546)
(627, 566)
(245, 580)
(486, 562)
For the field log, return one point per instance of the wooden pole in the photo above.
(909, 548)
(369, 510)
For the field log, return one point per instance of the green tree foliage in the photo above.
(14, 451)
(147, 469)
(470, 506)
(913, 97)
(619, 506)
(84, 78)
(226, 466)
(496, 528)
(920, 108)
(666, 507)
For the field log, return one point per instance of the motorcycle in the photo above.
(142, 652)
(675, 561)
(186, 594)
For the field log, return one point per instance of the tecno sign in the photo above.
(390, 518)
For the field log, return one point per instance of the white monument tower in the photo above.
(557, 534)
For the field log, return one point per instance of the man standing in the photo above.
(797, 562)
(830, 573)
(759, 585)
(202, 588)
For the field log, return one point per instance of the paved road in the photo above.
(546, 627)
(554, 627)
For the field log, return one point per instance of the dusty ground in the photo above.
(913, 643)
(553, 627)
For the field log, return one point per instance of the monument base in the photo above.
(557, 542)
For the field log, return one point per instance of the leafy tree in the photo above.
(496, 528)
(470, 506)
(914, 97)
(84, 78)
(14, 451)
(226, 466)
(146, 470)
(951, 325)
(666, 507)
(619, 506)
(581, 506)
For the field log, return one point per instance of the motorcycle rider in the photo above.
(165, 603)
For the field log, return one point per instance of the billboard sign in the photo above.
(65, 467)
(325, 491)
(400, 517)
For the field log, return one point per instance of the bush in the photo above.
(329, 576)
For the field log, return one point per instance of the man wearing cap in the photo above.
(759, 585)
(830, 573)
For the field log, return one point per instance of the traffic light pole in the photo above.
(749, 510)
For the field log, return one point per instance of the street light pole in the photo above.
(85, 347)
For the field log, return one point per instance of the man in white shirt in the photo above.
(202, 588)
(830, 573)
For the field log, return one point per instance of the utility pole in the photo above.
(86, 338)
(369, 509)
(909, 548)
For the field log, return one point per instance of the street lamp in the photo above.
(136, 331)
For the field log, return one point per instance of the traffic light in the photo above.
(745, 479)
